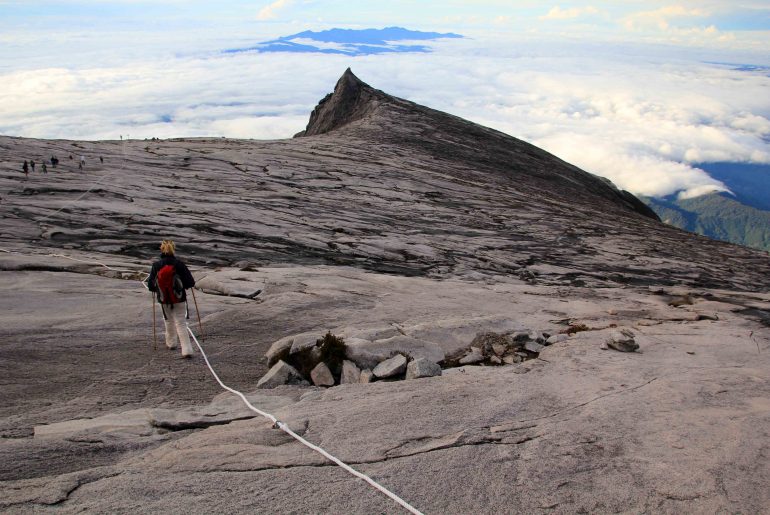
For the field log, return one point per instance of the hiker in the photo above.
(54, 161)
(82, 162)
(25, 167)
(32, 165)
(45, 168)
(169, 278)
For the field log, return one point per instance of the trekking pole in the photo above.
(154, 334)
(198, 312)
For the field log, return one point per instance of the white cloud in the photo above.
(557, 13)
(641, 116)
(269, 12)
(661, 18)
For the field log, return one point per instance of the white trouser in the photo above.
(176, 327)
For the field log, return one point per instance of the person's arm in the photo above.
(187, 279)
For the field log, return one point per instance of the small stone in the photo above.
(512, 359)
(321, 375)
(495, 360)
(281, 373)
(537, 337)
(474, 356)
(707, 316)
(521, 337)
(422, 367)
(556, 338)
(622, 340)
(533, 347)
(350, 373)
(604, 346)
(499, 349)
(367, 376)
(390, 367)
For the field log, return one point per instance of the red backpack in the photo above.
(170, 288)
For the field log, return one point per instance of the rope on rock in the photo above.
(283, 427)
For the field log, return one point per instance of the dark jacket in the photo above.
(181, 270)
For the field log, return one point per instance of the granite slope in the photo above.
(385, 218)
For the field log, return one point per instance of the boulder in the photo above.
(364, 353)
(367, 376)
(303, 342)
(510, 360)
(473, 356)
(350, 373)
(422, 368)
(533, 347)
(279, 350)
(622, 340)
(321, 375)
(390, 367)
(556, 338)
(281, 373)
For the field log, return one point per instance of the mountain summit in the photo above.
(385, 117)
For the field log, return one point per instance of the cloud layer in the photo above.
(643, 116)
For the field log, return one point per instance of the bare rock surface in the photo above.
(391, 225)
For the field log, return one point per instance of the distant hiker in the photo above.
(32, 165)
(54, 161)
(80, 166)
(45, 168)
(25, 167)
(82, 162)
(169, 278)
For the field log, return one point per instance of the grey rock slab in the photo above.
(390, 367)
(280, 374)
(367, 354)
(305, 341)
(350, 373)
(533, 346)
(137, 422)
(234, 283)
(422, 367)
(321, 375)
(622, 340)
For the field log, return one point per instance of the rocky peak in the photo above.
(351, 100)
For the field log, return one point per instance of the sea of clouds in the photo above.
(642, 116)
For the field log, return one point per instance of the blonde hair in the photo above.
(167, 247)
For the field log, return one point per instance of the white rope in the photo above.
(276, 423)
(283, 427)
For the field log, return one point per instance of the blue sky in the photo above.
(636, 91)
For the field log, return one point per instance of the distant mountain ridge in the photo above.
(742, 216)
(352, 42)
